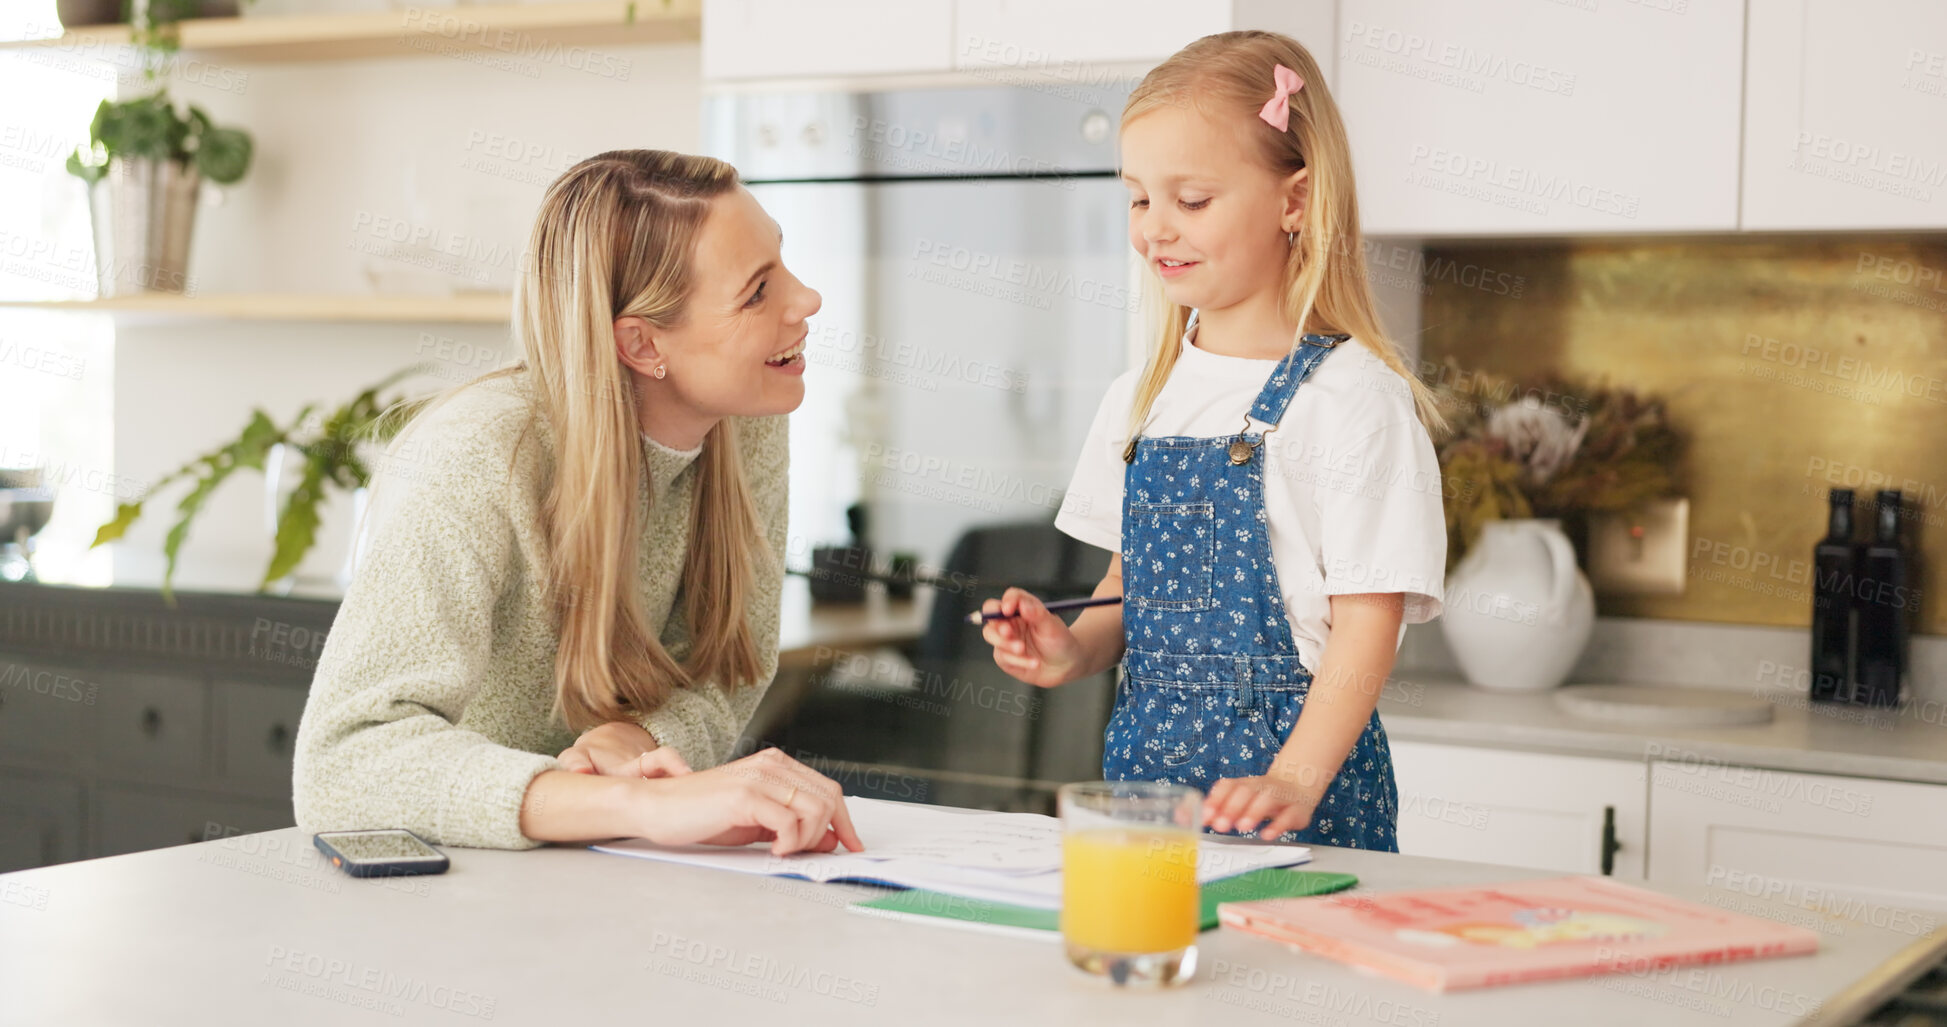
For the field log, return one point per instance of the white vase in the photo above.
(1518, 610)
(283, 468)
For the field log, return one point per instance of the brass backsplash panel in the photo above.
(1792, 365)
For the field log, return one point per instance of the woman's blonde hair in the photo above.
(616, 237)
(1229, 76)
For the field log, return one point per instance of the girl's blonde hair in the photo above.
(1229, 76)
(616, 237)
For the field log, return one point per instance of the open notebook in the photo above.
(1013, 858)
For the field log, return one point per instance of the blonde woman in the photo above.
(572, 595)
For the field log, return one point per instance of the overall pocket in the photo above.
(1168, 553)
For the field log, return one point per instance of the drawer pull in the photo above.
(280, 737)
(1609, 843)
(151, 722)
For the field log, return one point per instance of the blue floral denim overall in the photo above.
(1211, 679)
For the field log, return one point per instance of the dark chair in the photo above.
(989, 736)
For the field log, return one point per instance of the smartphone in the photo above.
(380, 853)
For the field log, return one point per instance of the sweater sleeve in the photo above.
(705, 724)
(380, 744)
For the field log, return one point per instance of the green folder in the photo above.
(1269, 883)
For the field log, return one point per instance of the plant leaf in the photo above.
(253, 446)
(223, 154)
(218, 467)
(297, 525)
(87, 172)
(125, 515)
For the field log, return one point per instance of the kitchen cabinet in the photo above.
(47, 713)
(1034, 35)
(40, 821)
(258, 735)
(1087, 42)
(1846, 847)
(1064, 37)
(151, 726)
(1562, 813)
(1845, 115)
(779, 39)
(136, 819)
(1510, 117)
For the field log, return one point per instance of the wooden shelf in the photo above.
(537, 34)
(473, 308)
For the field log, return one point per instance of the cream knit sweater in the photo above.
(430, 706)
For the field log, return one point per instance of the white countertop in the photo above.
(1910, 745)
(256, 929)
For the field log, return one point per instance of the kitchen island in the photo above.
(256, 928)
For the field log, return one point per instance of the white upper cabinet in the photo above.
(1513, 117)
(1846, 115)
(1092, 42)
(1059, 37)
(780, 39)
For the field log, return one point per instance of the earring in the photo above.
(1291, 238)
(662, 370)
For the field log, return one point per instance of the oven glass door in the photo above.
(968, 333)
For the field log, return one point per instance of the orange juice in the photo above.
(1129, 889)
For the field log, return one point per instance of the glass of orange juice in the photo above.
(1129, 879)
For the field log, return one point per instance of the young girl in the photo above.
(1267, 479)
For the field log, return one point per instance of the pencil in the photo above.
(1057, 606)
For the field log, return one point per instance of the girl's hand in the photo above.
(1280, 797)
(1034, 646)
(621, 749)
(766, 796)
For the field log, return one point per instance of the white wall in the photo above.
(448, 155)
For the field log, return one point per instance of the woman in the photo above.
(590, 541)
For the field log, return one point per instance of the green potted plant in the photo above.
(329, 448)
(145, 162)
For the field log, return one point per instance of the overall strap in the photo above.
(1290, 373)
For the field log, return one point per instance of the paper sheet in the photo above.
(1002, 857)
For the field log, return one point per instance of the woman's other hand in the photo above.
(621, 749)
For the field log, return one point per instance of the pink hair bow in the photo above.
(1277, 110)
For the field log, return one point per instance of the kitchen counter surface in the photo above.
(1907, 745)
(258, 929)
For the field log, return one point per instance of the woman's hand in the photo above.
(621, 749)
(766, 796)
(1033, 646)
(1281, 800)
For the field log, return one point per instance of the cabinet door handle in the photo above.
(279, 737)
(151, 722)
(1609, 842)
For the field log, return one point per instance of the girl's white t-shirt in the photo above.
(1351, 484)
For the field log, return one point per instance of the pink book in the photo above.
(1479, 936)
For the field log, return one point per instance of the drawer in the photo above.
(137, 819)
(1549, 812)
(258, 731)
(40, 821)
(47, 714)
(152, 726)
(1845, 846)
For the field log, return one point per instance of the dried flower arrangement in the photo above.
(1549, 447)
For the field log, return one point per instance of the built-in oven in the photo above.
(979, 297)
(970, 246)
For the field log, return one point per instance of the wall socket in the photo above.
(1642, 552)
